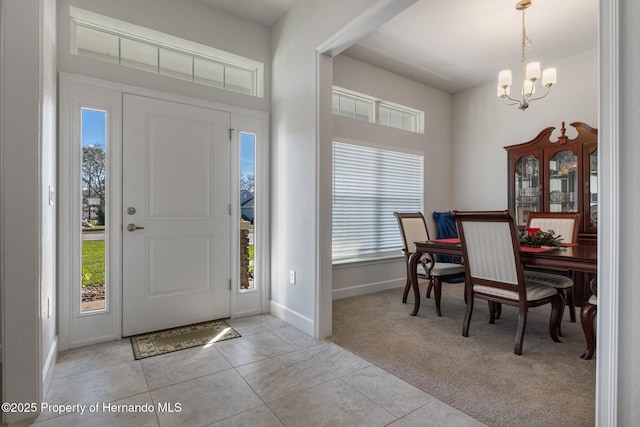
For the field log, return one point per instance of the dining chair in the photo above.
(413, 228)
(588, 314)
(491, 251)
(566, 225)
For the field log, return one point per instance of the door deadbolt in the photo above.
(131, 210)
(133, 227)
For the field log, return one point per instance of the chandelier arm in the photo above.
(518, 101)
(540, 97)
(515, 101)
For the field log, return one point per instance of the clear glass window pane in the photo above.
(335, 103)
(247, 210)
(396, 119)
(94, 209)
(409, 122)
(208, 73)
(96, 44)
(593, 189)
(348, 107)
(364, 110)
(139, 55)
(384, 116)
(563, 182)
(238, 80)
(176, 65)
(527, 188)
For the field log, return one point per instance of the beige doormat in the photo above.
(174, 339)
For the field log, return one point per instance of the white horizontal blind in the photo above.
(369, 184)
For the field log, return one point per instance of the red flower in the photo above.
(532, 231)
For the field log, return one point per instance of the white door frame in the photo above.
(78, 91)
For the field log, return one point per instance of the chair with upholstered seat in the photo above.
(566, 225)
(413, 228)
(491, 252)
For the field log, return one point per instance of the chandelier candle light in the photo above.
(530, 73)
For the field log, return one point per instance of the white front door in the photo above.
(176, 191)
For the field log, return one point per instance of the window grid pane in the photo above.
(361, 107)
(364, 110)
(174, 64)
(238, 80)
(115, 47)
(208, 72)
(369, 184)
(347, 107)
(138, 55)
(353, 107)
(97, 45)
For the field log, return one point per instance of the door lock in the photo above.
(133, 227)
(131, 210)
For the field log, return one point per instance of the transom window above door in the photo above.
(111, 40)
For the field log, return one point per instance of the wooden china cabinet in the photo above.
(558, 176)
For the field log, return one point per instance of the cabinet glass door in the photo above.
(593, 191)
(527, 188)
(563, 182)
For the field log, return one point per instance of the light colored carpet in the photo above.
(549, 385)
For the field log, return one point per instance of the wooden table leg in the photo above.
(414, 259)
(588, 318)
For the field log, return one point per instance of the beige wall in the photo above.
(434, 145)
(299, 231)
(28, 253)
(483, 125)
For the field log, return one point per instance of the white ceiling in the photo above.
(455, 45)
(265, 12)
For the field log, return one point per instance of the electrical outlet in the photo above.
(292, 277)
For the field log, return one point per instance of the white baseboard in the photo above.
(293, 318)
(49, 366)
(367, 288)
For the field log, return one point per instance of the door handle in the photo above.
(133, 227)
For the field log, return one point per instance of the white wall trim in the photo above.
(2, 211)
(368, 288)
(151, 93)
(49, 365)
(293, 318)
(609, 231)
(373, 17)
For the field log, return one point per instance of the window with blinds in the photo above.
(369, 184)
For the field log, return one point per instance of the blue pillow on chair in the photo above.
(446, 229)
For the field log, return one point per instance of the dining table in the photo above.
(574, 257)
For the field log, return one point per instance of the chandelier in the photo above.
(530, 73)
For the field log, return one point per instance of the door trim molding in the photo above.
(70, 84)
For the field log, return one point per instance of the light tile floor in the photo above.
(274, 375)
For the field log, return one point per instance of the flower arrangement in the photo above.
(536, 238)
